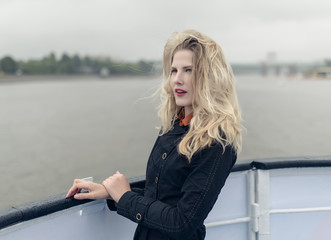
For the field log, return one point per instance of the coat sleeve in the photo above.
(112, 205)
(209, 171)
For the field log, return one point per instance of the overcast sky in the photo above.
(296, 30)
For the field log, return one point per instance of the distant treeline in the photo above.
(75, 64)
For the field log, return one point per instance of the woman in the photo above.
(194, 152)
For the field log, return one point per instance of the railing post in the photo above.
(253, 223)
(262, 199)
(258, 204)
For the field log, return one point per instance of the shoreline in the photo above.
(11, 79)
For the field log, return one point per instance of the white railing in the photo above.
(266, 217)
(255, 204)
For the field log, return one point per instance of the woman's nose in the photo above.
(179, 78)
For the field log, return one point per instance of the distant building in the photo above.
(320, 72)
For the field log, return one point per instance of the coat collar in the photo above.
(184, 120)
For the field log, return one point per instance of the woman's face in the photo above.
(181, 79)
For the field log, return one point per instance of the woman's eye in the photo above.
(188, 70)
(173, 71)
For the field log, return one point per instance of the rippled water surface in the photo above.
(53, 130)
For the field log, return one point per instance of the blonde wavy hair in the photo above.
(216, 113)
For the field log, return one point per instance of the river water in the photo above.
(53, 129)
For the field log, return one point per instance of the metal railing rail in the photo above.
(258, 183)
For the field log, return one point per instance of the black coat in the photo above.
(178, 195)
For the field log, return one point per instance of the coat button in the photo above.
(156, 180)
(164, 155)
(138, 216)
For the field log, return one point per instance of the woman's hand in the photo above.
(95, 190)
(116, 185)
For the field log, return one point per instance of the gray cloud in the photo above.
(131, 30)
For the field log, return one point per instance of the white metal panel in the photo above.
(238, 231)
(88, 221)
(232, 202)
(303, 226)
(300, 204)
(300, 188)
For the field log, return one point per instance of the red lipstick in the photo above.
(180, 92)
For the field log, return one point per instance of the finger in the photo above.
(78, 186)
(81, 196)
(84, 186)
(78, 180)
(72, 191)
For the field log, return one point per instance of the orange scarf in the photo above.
(184, 121)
